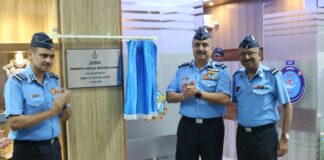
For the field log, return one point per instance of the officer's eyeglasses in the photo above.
(250, 54)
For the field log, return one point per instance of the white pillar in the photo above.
(311, 4)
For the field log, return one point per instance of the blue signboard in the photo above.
(294, 81)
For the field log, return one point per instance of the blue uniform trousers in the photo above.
(37, 150)
(204, 138)
(257, 143)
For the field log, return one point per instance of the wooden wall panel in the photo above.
(235, 21)
(96, 129)
(19, 19)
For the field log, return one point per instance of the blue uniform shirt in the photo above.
(257, 99)
(211, 78)
(28, 97)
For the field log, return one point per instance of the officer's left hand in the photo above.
(190, 90)
(282, 147)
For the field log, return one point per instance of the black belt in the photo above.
(201, 120)
(257, 128)
(42, 142)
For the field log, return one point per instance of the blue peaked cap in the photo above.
(218, 51)
(249, 42)
(202, 34)
(42, 40)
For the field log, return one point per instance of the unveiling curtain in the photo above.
(141, 85)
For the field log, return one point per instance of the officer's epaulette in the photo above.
(237, 72)
(273, 71)
(19, 77)
(222, 65)
(53, 75)
(184, 64)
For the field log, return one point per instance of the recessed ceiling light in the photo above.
(211, 3)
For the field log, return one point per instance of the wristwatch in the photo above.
(198, 94)
(67, 106)
(285, 136)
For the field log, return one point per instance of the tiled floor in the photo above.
(159, 148)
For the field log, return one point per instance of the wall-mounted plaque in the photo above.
(92, 68)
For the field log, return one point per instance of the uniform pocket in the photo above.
(35, 105)
(209, 85)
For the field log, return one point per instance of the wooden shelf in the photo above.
(12, 47)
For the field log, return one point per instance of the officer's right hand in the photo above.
(63, 98)
(189, 90)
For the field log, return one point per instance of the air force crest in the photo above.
(294, 81)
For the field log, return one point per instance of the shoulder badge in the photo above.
(273, 71)
(184, 64)
(19, 77)
(53, 75)
(222, 65)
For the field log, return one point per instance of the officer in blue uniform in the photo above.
(218, 54)
(35, 104)
(257, 89)
(203, 88)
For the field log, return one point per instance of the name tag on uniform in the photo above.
(34, 95)
(261, 87)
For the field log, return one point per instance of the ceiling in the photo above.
(220, 2)
(207, 3)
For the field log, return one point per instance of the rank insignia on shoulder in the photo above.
(19, 77)
(222, 65)
(34, 95)
(53, 75)
(237, 72)
(273, 70)
(184, 64)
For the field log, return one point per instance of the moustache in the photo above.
(200, 52)
(46, 64)
(246, 61)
